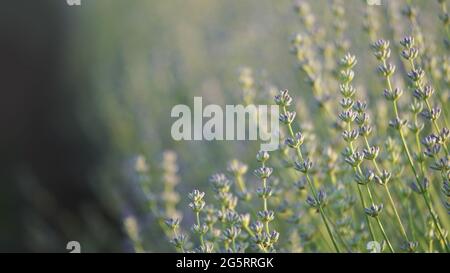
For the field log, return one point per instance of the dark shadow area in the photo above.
(48, 162)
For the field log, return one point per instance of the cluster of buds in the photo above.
(371, 153)
(348, 115)
(432, 114)
(442, 164)
(410, 246)
(318, 203)
(381, 50)
(393, 95)
(354, 159)
(416, 75)
(421, 187)
(296, 141)
(432, 143)
(263, 240)
(374, 210)
(197, 203)
(283, 99)
(263, 172)
(201, 229)
(179, 240)
(231, 233)
(383, 178)
(350, 136)
(304, 166)
(398, 123)
(365, 177)
(424, 93)
(287, 118)
(409, 52)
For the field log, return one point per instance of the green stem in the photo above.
(419, 146)
(322, 213)
(363, 203)
(233, 244)
(197, 215)
(384, 234)
(249, 231)
(240, 183)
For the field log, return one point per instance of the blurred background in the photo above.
(87, 92)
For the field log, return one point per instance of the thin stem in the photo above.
(384, 234)
(402, 228)
(197, 216)
(240, 183)
(419, 146)
(249, 231)
(322, 213)
(363, 203)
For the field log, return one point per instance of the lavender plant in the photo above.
(340, 174)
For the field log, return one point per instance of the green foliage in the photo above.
(368, 162)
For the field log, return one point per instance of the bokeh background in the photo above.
(87, 89)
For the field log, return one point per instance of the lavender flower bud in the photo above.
(304, 166)
(287, 118)
(386, 70)
(283, 99)
(262, 156)
(374, 210)
(371, 153)
(263, 172)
